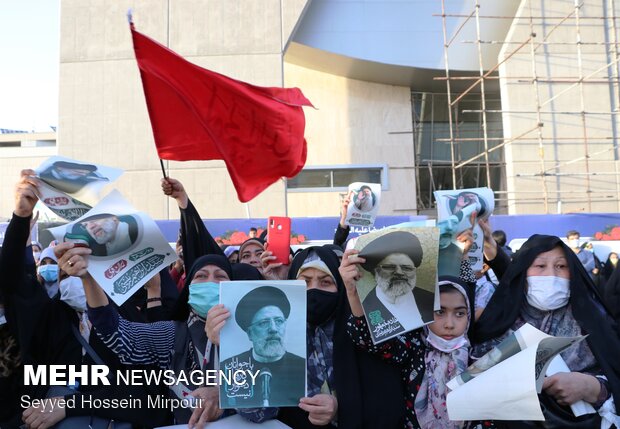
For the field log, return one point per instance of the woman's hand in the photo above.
(174, 189)
(72, 260)
(350, 273)
(273, 270)
(207, 409)
(40, 417)
(490, 245)
(26, 192)
(216, 317)
(570, 387)
(322, 408)
(344, 208)
(466, 239)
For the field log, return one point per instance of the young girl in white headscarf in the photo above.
(429, 357)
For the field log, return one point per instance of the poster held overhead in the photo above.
(266, 333)
(457, 211)
(69, 187)
(399, 278)
(364, 205)
(127, 246)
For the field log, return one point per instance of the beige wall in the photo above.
(355, 122)
(565, 133)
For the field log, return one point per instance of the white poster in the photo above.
(460, 209)
(69, 188)
(398, 281)
(266, 333)
(519, 362)
(364, 205)
(127, 246)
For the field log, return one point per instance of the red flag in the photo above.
(197, 114)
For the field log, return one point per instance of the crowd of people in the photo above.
(57, 314)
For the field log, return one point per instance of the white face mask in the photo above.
(574, 243)
(72, 292)
(447, 346)
(547, 292)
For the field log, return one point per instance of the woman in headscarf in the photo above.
(610, 265)
(180, 345)
(367, 391)
(53, 331)
(547, 287)
(346, 388)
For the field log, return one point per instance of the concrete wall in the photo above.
(355, 122)
(561, 99)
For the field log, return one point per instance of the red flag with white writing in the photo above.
(198, 114)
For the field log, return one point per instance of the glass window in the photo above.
(336, 178)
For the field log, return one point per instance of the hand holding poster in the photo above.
(266, 334)
(398, 282)
(364, 205)
(457, 211)
(519, 361)
(127, 247)
(69, 187)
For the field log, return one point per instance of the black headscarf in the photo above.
(370, 392)
(243, 271)
(182, 307)
(588, 310)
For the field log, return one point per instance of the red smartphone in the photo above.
(279, 238)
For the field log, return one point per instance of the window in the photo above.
(434, 152)
(337, 178)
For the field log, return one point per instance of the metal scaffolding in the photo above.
(596, 149)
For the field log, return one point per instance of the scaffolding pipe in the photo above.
(449, 93)
(483, 96)
(539, 123)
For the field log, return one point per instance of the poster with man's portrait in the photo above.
(266, 333)
(457, 211)
(127, 246)
(399, 278)
(364, 204)
(69, 188)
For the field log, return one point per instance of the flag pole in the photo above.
(163, 170)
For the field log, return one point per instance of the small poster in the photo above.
(127, 246)
(457, 211)
(399, 279)
(266, 333)
(69, 187)
(364, 205)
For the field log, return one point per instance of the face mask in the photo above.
(574, 243)
(446, 346)
(49, 272)
(547, 292)
(613, 262)
(203, 296)
(36, 255)
(72, 292)
(321, 306)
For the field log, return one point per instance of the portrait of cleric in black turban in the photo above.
(263, 315)
(106, 234)
(397, 303)
(71, 177)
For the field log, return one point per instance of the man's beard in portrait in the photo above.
(396, 285)
(270, 347)
(105, 233)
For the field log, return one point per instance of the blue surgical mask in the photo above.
(203, 296)
(49, 272)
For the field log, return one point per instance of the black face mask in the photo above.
(321, 306)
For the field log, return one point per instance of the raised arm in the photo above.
(342, 230)
(195, 238)
(134, 343)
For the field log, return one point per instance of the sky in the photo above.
(30, 46)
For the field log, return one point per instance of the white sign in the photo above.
(127, 246)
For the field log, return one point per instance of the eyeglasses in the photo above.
(391, 268)
(265, 324)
